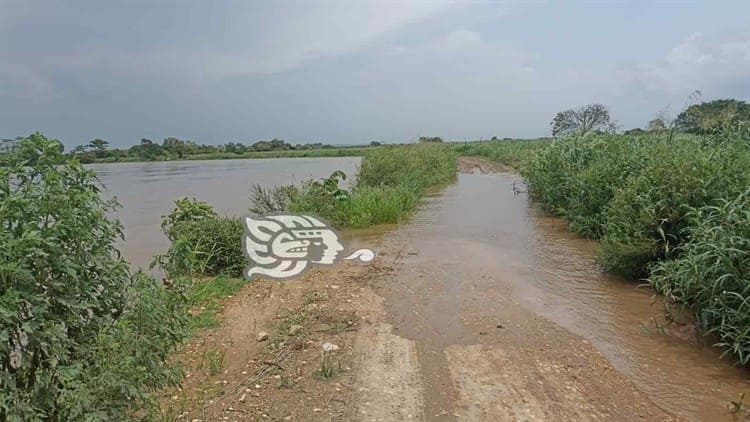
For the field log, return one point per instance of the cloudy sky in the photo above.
(349, 72)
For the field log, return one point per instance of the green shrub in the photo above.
(712, 273)
(369, 206)
(647, 217)
(80, 338)
(415, 166)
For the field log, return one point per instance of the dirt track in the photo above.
(407, 350)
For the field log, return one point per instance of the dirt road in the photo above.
(416, 335)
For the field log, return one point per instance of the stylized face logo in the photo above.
(283, 246)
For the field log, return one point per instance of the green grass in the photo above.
(206, 294)
(670, 208)
(388, 187)
(512, 153)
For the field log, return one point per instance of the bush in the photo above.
(388, 187)
(712, 274)
(416, 167)
(634, 191)
(203, 243)
(80, 338)
(647, 218)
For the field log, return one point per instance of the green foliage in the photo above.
(80, 338)
(388, 187)
(384, 205)
(580, 121)
(672, 206)
(205, 247)
(712, 273)
(713, 116)
(266, 201)
(416, 167)
(177, 149)
(187, 209)
(432, 139)
(647, 218)
(634, 192)
(512, 153)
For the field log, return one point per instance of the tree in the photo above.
(174, 146)
(147, 150)
(592, 117)
(634, 131)
(430, 139)
(656, 125)
(98, 144)
(713, 115)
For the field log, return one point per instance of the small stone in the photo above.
(257, 386)
(242, 399)
(317, 410)
(262, 336)
(330, 347)
(294, 329)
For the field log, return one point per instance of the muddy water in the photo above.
(147, 191)
(476, 240)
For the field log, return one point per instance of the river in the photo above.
(147, 191)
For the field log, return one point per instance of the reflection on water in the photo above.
(477, 229)
(147, 191)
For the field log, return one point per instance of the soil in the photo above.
(399, 355)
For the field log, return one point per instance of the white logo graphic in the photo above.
(284, 245)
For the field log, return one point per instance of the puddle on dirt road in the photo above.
(477, 235)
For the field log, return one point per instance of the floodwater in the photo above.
(147, 191)
(476, 234)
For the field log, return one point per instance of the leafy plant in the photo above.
(80, 337)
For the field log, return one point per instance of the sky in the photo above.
(352, 72)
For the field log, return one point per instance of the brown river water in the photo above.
(474, 230)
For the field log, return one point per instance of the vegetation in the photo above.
(666, 206)
(202, 242)
(512, 153)
(80, 337)
(97, 151)
(713, 116)
(592, 117)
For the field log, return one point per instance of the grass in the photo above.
(673, 209)
(388, 187)
(328, 367)
(512, 153)
(206, 294)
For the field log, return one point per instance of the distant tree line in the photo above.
(174, 148)
(703, 118)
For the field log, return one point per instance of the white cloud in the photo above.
(698, 63)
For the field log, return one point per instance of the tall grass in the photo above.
(390, 182)
(712, 273)
(512, 153)
(670, 207)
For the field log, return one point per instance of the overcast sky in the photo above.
(349, 72)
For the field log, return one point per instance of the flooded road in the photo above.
(488, 289)
(476, 252)
(147, 191)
